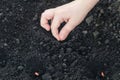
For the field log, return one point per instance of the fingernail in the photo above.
(47, 29)
(58, 39)
(62, 37)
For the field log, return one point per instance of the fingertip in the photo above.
(57, 37)
(48, 29)
(54, 27)
(64, 33)
(62, 37)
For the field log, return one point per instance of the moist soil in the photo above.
(28, 52)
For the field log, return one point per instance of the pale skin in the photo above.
(72, 13)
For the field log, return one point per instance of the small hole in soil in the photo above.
(35, 68)
(98, 70)
(3, 58)
(101, 76)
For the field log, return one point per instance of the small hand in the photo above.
(72, 13)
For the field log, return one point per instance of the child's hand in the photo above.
(72, 13)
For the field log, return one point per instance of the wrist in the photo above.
(88, 4)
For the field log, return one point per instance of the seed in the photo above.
(102, 74)
(36, 73)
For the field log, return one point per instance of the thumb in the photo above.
(66, 30)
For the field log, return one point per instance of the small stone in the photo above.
(59, 56)
(64, 60)
(85, 32)
(35, 27)
(20, 68)
(95, 34)
(5, 44)
(99, 43)
(118, 73)
(64, 65)
(89, 20)
(109, 7)
(101, 11)
(35, 17)
(96, 25)
(1, 14)
(41, 43)
(111, 25)
(106, 41)
(17, 41)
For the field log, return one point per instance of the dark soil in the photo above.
(91, 52)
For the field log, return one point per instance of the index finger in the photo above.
(45, 17)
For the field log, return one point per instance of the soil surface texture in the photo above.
(28, 52)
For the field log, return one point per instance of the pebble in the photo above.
(85, 32)
(41, 43)
(35, 17)
(64, 60)
(59, 56)
(5, 44)
(89, 19)
(106, 41)
(95, 34)
(20, 68)
(64, 65)
(102, 11)
(1, 14)
(96, 25)
(17, 41)
(109, 7)
(35, 27)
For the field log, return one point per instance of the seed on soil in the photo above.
(36, 74)
(102, 74)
